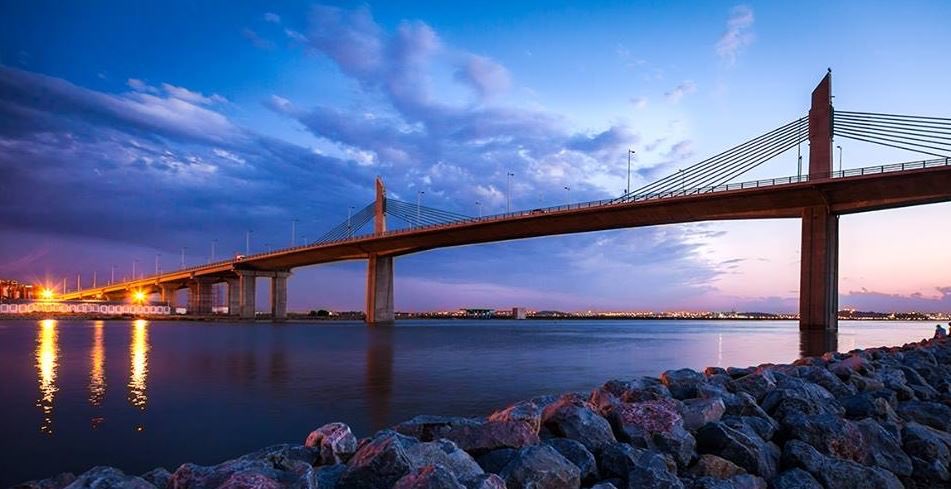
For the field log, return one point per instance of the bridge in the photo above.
(704, 191)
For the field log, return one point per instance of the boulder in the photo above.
(847, 366)
(445, 454)
(627, 391)
(742, 481)
(334, 442)
(743, 404)
(378, 463)
(757, 384)
(709, 465)
(654, 425)
(829, 434)
(158, 477)
(108, 478)
(495, 460)
(540, 466)
(637, 468)
(834, 473)
(795, 396)
(56, 482)
(795, 479)
(326, 477)
(529, 412)
(296, 459)
(484, 481)
(827, 380)
(698, 412)
(575, 419)
(933, 414)
(474, 435)
(255, 469)
(928, 451)
(750, 452)
(683, 383)
(711, 371)
(577, 454)
(737, 372)
(883, 449)
(604, 485)
(761, 427)
(428, 477)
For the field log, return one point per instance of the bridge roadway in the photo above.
(852, 191)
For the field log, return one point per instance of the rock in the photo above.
(56, 482)
(761, 427)
(883, 449)
(711, 371)
(683, 383)
(737, 372)
(326, 477)
(637, 468)
(108, 478)
(628, 391)
(853, 364)
(709, 465)
(575, 419)
(835, 473)
(795, 479)
(496, 460)
(929, 453)
(378, 463)
(698, 412)
(577, 454)
(473, 435)
(933, 414)
(540, 466)
(158, 477)
(428, 477)
(829, 434)
(797, 397)
(445, 454)
(827, 380)
(654, 425)
(255, 469)
(757, 384)
(529, 412)
(250, 480)
(749, 452)
(743, 481)
(485, 481)
(334, 442)
(604, 485)
(743, 404)
(287, 458)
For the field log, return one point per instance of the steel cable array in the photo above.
(350, 227)
(727, 165)
(927, 135)
(420, 215)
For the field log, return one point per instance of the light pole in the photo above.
(267, 246)
(94, 279)
(508, 192)
(112, 276)
(840, 160)
(630, 152)
(247, 242)
(183, 255)
(568, 190)
(479, 207)
(683, 183)
(157, 255)
(213, 243)
(133, 268)
(293, 231)
(419, 195)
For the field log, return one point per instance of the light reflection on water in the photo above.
(229, 389)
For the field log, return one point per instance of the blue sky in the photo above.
(129, 131)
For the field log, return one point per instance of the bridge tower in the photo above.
(819, 275)
(380, 310)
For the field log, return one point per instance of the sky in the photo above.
(131, 131)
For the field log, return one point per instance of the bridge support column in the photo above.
(819, 274)
(380, 291)
(168, 295)
(246, 286)
(234, 296)
(199, 296)
(279, 295)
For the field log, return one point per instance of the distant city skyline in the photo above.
(134, 134)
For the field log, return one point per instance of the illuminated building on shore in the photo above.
(13, 290)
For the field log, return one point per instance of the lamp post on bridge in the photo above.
(247, 242)
(508, 192)
(94, 279)
(479, 207)
(133, 268)
(112, 276)
(630, 152)
(184, 248)
(683, 183)
(568, 191)
(157, 256)
(213, 243)
(293, 231)
(419, 195)
(840, 160)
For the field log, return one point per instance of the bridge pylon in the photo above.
(380, 311)
(819, 267)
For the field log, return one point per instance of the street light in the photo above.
(112, 277)
(630, 152)
(293, 230)
(213, 243)
(419, 195)
(508, 192)
(157, 255)
(247, 242)
(184, 248)
(479, 207)
(133, 268)
(568, 190)
(840, 160)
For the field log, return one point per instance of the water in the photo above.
(137, 395)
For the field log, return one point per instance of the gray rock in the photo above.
(247, 470)
(933, 414)
(285, 457)
(445, 454)
(743, 481)
(655, 425)
(757, 384)
(761, 427)
(698, 412)
(827, 380)
(928, 451)
(683, 383)
(748, 451)
(797, 397)
(604, 485)
(485, 481)
(835, 473)
(577, 454)
(108, 478)
(474, 435)
(496, 460)
(334, 442)
(627, 391)
(795, 479)
(709, 465)
(540, 466)
(159, 477)
(829, 434)
(378, 463)
(575, 419)
(428, 477)
(883, 449)
(529, 412)
(56, 482)
(743, 404)
(637, 468)
(326, 477)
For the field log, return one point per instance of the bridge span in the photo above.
(818, 198)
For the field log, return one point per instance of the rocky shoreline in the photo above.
(874, 418)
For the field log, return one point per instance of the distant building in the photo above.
(478, 313)
(518, 313)
(13, 290)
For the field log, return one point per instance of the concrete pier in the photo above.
(279, 295)
(380, 310)
(234, 296)
(199, 296)
(246, 284)
(167, 292)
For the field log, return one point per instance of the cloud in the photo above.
(256, 40)
(680, 91)
(187, 95)
(737, 35)
(485, 76)
(272, 18)
(639, 103)
(865, 300)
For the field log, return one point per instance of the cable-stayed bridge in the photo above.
(705, 191)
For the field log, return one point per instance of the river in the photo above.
(139, 394)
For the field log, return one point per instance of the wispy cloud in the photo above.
(272, 18)
(737, 35)
(683, 89)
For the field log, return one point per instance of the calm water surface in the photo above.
(137, 394)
